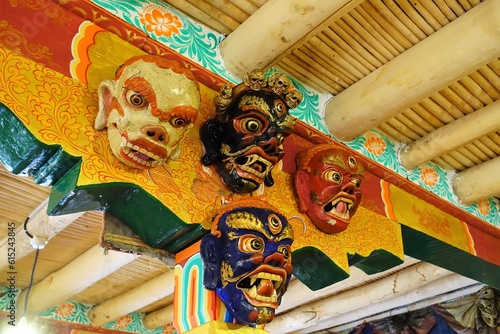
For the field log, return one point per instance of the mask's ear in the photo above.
(301, 186)
(209, 252)
(106, 92)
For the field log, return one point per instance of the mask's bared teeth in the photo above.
(252, 280)
(253, 292)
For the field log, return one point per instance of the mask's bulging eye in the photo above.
(178, 122)
(357, 182)
(252, 125)
(285, 250)
(333, 175)
(135, 99)
(281, 138)
(274, 223)
(251, 244)
(352, 162)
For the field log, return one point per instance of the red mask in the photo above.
(327, 183)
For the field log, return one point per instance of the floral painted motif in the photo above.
(160, 22)
(169, 329)
(429, 176)
(484, 207)
(428, 220)
(65, 310)
(123, 322)
(375, 144)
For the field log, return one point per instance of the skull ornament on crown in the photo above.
(247, 259)
(244, 140)
(148, 109)
(327, 182)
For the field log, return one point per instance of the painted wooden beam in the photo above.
(478, 182)
(456, 50)
(39, 224)
(76, 276)
(397, 284)
(159, 317)
(452, 136)
(275, 29)
(153, 290)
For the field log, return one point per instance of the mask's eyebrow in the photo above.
(143, 87)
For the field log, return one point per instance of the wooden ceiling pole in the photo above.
(456, 50)
(39, 224)
(407, 280)
(153, 290)
(478, 182)
(299, 294)
(438, 291)
(275, 28)
(76, 276)
(159, 317)
(452, 136)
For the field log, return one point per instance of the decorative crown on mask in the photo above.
(277, 82)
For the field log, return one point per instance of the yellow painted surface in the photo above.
(61, 110)
(413, 212)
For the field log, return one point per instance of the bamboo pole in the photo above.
(417, 119)
(415, 75)
(401, 42)
(407, 22)
(323, 51)
(395, 21)
(436, 12)
(216, 13)
(199, 15)
(450, 15)
(367, 21)
(426, 15)
(331, 71)
(246, 6)
(354, 44)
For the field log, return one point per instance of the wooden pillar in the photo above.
(452, 136)
(478, 182)
(39, 224)
(276, 27)
(456, 50)
(73, 278)
(196, 309)
(133, 300)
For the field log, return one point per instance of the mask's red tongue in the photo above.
(341, 207)
(266, 288)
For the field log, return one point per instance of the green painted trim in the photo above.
(316, 270)
(150, 219)
(22, 154)
(378, 261)
(425, 248)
